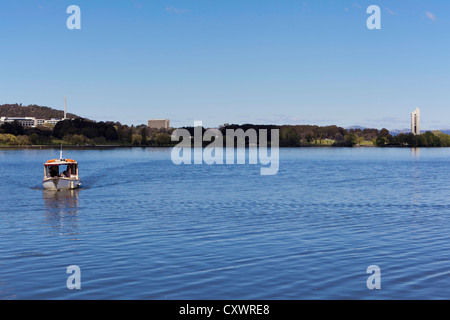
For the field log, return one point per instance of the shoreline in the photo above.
(40, 147)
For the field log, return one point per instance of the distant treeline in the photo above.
(86, 128)
(427, 139)
(310, 135)
(81, 131)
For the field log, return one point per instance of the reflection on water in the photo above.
(61, 209)
(415, 176)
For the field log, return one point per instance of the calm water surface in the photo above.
(144, 228)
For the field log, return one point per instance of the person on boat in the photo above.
(53, 171)
(65, 173)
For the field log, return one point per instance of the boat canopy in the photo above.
(60, 162)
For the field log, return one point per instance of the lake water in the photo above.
(144, 228)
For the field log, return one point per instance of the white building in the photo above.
(415, 121)
(28, 122)
(39, 122)
(52, 121)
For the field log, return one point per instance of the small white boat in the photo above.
(61, 174)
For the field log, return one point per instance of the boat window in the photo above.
(65, 171)
(54, 171)
(73, 169)
(61, 170)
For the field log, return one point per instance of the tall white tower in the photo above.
(65, 108)
(415, 121)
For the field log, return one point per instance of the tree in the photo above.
(8, 139)
(412, 140)
(383, 133)
(34, 138)
(14, 128)
(381, 141)
(370, 134)
(78, 139)
(136, 139)
(23, 141)
(351, 139)
(338, 137)
(421, 141)
(129, 136)
(432, 140)
(144, 138)
(89, 129)
(359, 140)
(289, 137)
(163, 139)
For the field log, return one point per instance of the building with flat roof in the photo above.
(24, 121)
(28, 122)
(39, 122)
(159, 124)
(52, 121)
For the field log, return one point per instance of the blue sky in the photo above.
(259, 61)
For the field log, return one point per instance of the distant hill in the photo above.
(396, 132)
(446, 131)
(39, 112)
(355, 127)
(393, 132)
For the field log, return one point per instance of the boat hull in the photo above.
(61, 184)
